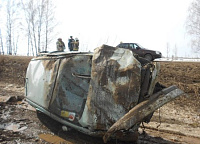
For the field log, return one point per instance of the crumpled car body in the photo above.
(107, 93)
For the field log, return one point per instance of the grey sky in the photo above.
(152, 23)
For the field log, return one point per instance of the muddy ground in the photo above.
(176, 122)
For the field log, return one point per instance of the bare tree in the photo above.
(1, 38)
(1, 44)
(49, 22)
(11, 24)
(193, 25)
(175, 52)
(15, 45)
(29, 15)
(41, 11)
(39, 15)
(168, 50)
(9, 28)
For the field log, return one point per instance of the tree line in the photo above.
(193, 25)
(192, 28)
(33, 19)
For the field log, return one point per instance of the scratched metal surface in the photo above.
(71, 87)
(114, 86)
(40, 78)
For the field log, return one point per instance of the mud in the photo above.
(179, 119)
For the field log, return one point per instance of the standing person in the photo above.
(60, 45)
(70, 43)
(76, 45)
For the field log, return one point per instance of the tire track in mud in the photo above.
(172, 136)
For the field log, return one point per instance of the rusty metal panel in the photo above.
(142, 110)
(154, 77)
(114, 86)
(40, 78)
(71, 88)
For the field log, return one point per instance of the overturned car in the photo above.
(107, 93)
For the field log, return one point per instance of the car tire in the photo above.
(148, 57)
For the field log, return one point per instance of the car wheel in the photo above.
(148, 57)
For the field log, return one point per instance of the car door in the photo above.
(136, 49)
(132, 47)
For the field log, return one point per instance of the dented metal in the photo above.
(93, 92)
(142, 110)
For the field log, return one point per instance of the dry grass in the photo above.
(187, 77)
(13, 68)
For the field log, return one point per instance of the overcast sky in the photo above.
(152, 23)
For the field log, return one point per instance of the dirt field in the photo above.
(180, 119)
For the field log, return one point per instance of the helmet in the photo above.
(59, 39)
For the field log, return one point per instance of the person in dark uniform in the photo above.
(70, 43)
